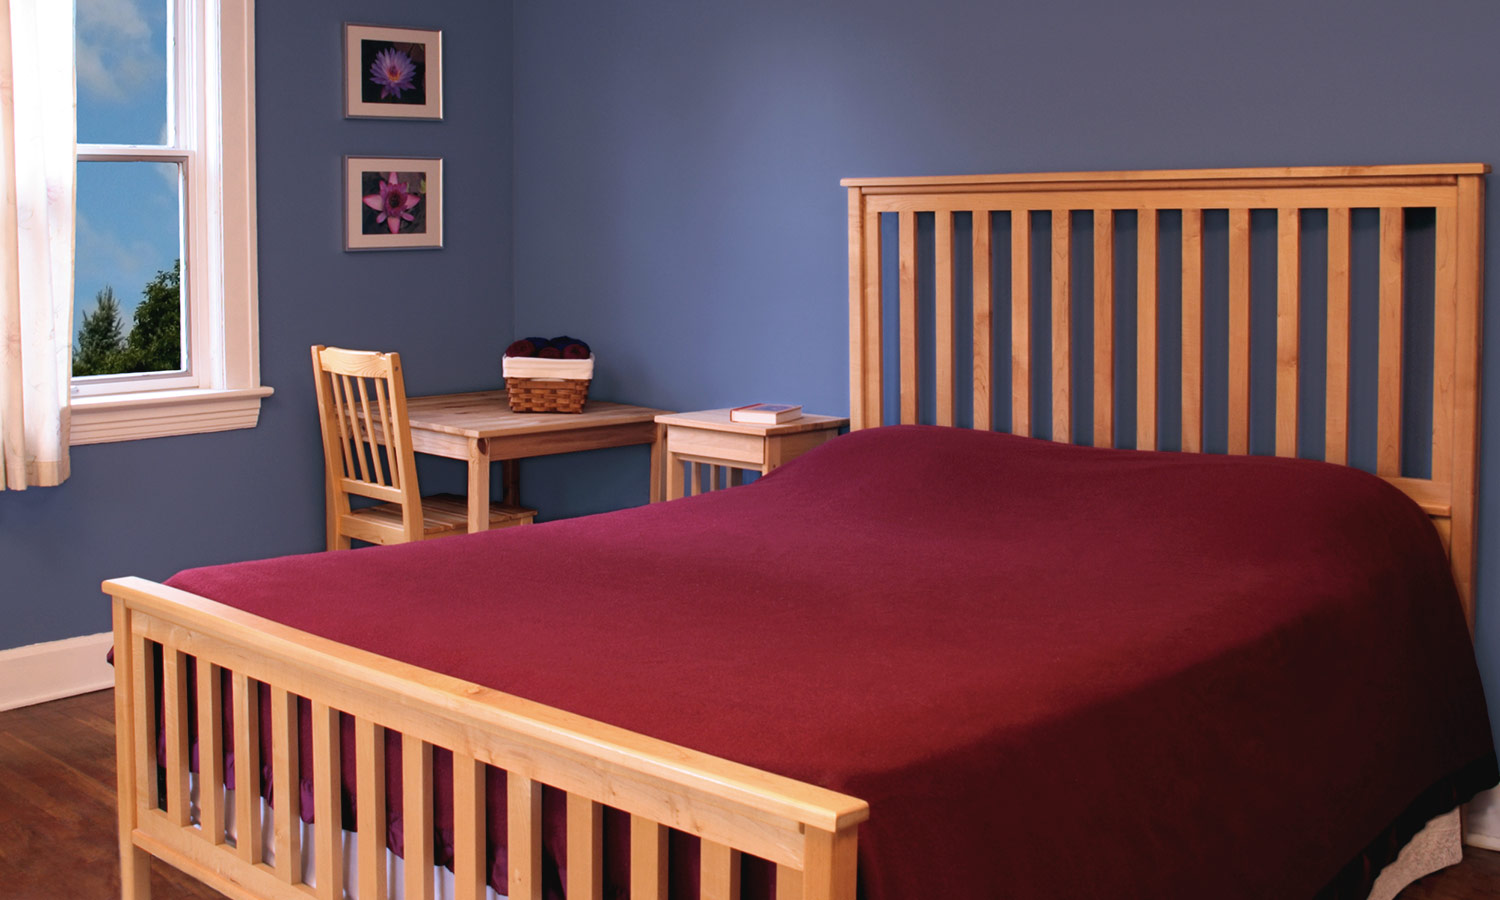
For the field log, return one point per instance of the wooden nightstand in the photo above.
(710, 440)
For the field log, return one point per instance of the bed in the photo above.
(763, 787)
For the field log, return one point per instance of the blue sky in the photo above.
(127, 212)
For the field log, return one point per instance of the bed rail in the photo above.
(808, 832)
(1054, 374)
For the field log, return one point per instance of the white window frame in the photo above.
(214, 139)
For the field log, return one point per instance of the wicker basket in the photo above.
(547, 385)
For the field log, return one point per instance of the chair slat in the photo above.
(984, 309)
(370, 433)
(586, 849)
(286, 822)
(909, 360)
(358, 438)
(1288, 327)
(210, 751)
(387, 429)
(247, 825)
(370, 807)
(340, 413)
(1388, 393)
(1336, 440)
(1020, 322)
(416, 816)
(648, 859)
(1062, 325)
(1147, 328)
(175, 729)
(1239, 331)
(1104, 328)
(469, 875)
(328, 784)
(946, 343)
(1192, 330)
(1445, 291)
(719, 875)
(524, 832)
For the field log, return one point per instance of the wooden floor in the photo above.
(57, 814)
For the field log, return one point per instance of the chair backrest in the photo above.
(366, 435)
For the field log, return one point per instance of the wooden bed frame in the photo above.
(807, 831)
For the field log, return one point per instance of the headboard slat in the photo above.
(1104, 327)
(1288, 327)
(1192, 330)
(1187, 277)
(1148, 326)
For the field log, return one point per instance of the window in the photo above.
(165, 337)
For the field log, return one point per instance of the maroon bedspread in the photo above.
(1052, 671)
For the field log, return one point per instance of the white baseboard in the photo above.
(54, 670)
(1482, 823)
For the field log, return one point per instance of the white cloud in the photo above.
(115, 52)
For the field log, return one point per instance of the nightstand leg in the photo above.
(674, 476)
(657, 448)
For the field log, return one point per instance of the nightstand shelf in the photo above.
(709, 439)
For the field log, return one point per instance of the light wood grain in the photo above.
(1148, 327)
(1288, 327)
(1192, 330)
(1062, 325)
(470, 874)
(946, 376)
(1390, 366)
(416, 816)
(328, 784)
(1104, 328)
(585, 848)
(285, 772)
(370, 805)
(1337, 415)
(648, 859)
(907, 231)
(210, 751)
(523, 813)
(1020, 322)
(719, 875)
(984, 305)
(1239, 331)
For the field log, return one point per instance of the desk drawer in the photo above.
(742, 448)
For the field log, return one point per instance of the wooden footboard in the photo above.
(807, 831)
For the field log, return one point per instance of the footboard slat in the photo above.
(586, 849)
(210, 751)
(175, 729)
(719, 875)
(285, 776)
(370, 805)
(327, 810)
(788, 883)
(523, 813)
(648, 859)
(732, 809)
(416, 816)
(246, 769)
(469, 873)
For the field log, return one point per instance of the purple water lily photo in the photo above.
(392, 72)
(393, 203)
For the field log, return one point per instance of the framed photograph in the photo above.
(392, 73)
(393, 203)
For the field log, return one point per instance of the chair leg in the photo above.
(336, 541)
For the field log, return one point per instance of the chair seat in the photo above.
(444, 514)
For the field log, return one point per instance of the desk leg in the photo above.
(479, 485)
(658, 447)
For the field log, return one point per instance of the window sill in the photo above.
(149, 414)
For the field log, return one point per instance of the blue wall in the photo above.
(677, 163)
(152, 507)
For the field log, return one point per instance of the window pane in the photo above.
(122, 71)
(128, 258)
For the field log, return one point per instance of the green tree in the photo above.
(155, 341)
(100, 347)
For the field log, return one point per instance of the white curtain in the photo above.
(38, 109)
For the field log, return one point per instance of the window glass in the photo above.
(127, 301)
(122, 72)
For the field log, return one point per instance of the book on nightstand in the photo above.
(765, 413)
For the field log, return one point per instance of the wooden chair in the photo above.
(367, 451)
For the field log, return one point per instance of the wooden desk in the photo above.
(480, 428)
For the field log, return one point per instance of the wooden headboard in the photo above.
(1404, 249)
